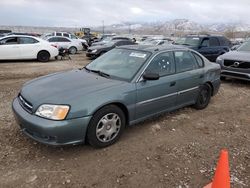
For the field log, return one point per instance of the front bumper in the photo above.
(237, 74)
(91, 54)
(51, 132)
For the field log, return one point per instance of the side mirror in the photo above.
(151, 76)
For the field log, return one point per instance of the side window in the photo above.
(213, 41)
(199, 60)
(9, 41)
(185, 61)
(54, 39)
(205, 43)
(65, 34)
(64, 40)
(73, 37)
(27, 40)
(58, 34)
(224, 41)
(163, 64)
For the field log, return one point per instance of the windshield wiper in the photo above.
(103, 74)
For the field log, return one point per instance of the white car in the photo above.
(71, 36)
(17, 47)
(66, 43)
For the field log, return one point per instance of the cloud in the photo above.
(82, 13)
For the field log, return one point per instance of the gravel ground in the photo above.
(179, 149)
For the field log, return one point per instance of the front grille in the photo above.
(25, 104)
(237, 64)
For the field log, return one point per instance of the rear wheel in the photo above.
(106, 126)
(204, 97)
(72, 50)
(43, 56)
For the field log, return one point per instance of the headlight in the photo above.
(94, 51)
(219, 60)
(54, 112)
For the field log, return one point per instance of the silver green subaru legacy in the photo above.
(121, 88)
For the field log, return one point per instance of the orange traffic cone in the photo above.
(222, 176)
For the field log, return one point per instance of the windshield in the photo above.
(120, 64)
(190, 41)
(244, 47)
(106, 39)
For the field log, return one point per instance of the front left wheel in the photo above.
(106, 126)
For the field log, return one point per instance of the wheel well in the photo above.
(212, 87)
(43, 51)
(122, 107)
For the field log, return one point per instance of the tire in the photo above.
(72, 50)
(102, 131)
(223, 78)
(204, 97)
(43, 56)
(101, 53)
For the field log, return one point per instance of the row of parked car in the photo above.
(234, 63)
(234, 60)
(18, 46)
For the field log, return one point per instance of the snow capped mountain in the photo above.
(181, 25)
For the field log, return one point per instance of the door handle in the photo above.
(172, 84)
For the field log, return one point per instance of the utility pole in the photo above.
(103, 27)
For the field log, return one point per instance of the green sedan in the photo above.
(121, 88)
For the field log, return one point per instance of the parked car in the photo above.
(66, 43)
(156, 42)
(123, 87)
(236, 64)
(26, 34)
(16, 47)
(208, 45)
(96, 51)
(67, 35)
(109, 39)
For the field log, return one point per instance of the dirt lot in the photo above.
(179, 149)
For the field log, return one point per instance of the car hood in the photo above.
(101, 47)
(236, 55)
(64, 87)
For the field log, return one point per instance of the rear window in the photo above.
(199, 60)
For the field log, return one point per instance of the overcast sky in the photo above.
(82, 13)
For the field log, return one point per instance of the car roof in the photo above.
(58, 37)
(153, 48)
(6, 36)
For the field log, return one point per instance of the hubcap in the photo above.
(108, 127)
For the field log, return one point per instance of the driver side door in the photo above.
(155, 96)
(9, 48)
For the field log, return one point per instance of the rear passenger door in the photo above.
(29, 47)
(190, 76)
(210, 48)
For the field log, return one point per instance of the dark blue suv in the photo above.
(208, 45)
